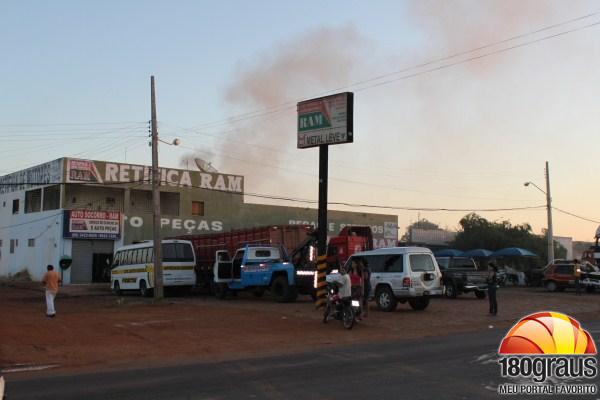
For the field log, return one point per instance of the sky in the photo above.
(457, 103)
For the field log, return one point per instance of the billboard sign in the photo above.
(107, 173)
(326, 120)
(90, 224)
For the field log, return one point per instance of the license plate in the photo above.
(355, 303)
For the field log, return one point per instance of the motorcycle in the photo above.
(344, 310)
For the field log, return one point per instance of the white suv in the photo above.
(402, 274)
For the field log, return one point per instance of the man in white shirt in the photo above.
(344, 284)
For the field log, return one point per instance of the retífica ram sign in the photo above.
(88, 171)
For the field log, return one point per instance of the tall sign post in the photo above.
(322, 122)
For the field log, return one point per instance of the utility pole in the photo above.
(158, 275)
(549, 209)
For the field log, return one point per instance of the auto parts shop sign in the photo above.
(326, 120)
(90, 224)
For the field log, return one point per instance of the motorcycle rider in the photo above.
(344, 284)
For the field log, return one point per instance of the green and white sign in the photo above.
(326, 120)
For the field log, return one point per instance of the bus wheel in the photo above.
(144, 292)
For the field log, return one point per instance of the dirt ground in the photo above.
(100, 331)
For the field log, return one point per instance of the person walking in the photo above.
(366, 280)
(577, 271)
(357, 284)
(51, 281)
(492, 281)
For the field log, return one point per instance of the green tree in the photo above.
(477, 232)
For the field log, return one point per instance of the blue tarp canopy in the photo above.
(513, 252)
(478, 253)
(448, 253)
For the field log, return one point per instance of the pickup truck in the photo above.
(256, 268)
(460, 275)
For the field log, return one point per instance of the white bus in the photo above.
(133, 268)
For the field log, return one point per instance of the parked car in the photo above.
(460, 275)
(559, 277)
(402, 274)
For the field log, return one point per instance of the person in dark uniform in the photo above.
(492, 281)
(577, 271)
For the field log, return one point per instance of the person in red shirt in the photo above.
(356, 282)
(51, 281)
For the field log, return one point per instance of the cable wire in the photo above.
(576, 216)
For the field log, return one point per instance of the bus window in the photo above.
(144, 256)
(150, 256)
(184, 252)
(117, 259)
(128, 255)
(169, 254)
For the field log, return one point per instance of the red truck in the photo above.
(299, 242)
(351, 239)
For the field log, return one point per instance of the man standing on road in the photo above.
(50, 281)
(577, 277)
(492, 280)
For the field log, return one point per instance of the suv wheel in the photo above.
(551, 286)
(386, 301)
(480, 294)
(419, 304)
(451, 292)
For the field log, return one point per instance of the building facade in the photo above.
(85, 209)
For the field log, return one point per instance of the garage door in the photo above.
(83, 257)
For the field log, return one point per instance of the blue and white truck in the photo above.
(257, 268)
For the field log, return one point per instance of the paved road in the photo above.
(449, 367)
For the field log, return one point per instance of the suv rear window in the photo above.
(421, 262)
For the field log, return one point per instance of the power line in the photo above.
(299, 200)
(576, 216)
(76, 124)
(292, 104)
(445, 66)
(31, 222)
(349, 181)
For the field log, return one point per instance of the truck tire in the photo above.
(419, 303)
(282, 291)
(451, 291)
(551, 286)
(220, 290)
(480, 294)
(385, 299)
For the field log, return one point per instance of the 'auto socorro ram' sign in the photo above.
(326, 120)
(90, 224)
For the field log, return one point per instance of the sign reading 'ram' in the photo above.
(326, 120)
